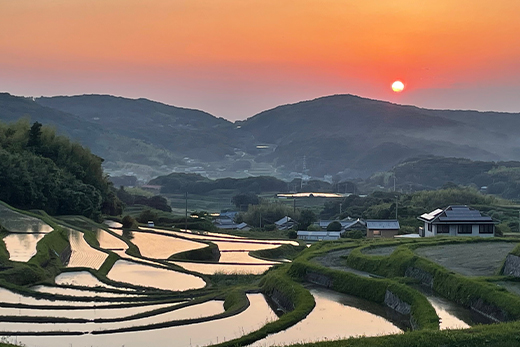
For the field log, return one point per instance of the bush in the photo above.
(292, 234)
(353, 234)
(129, 222)
(147, 215)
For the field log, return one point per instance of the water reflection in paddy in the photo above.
(242, 257)
(78, 292)
(22, 247)
(85, 313)
(21, 223)
(336, 316)
(160, 246)
(206, 309)
(112, 224)
(82, 279)
(201, 334)
(13, 298)
(452, 315)
(109, 241)
(149, 276)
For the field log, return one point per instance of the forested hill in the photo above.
(182, 131)
(362, 136)
(40, 170)
(432, 172)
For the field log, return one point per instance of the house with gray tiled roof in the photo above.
(457, 220)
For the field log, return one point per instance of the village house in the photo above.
(285, 223)
(458, 220)
(384, 228)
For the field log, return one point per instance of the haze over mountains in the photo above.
(343, 134)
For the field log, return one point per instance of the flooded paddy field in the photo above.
(206, 309)
(80, 292)
(83, 279)
(22, 246)
(336, 316)
(214, 268)
(149, 276)
(108, 241)
(20, 223)
(199, 334)
(159, 246)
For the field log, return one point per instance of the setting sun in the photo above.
(397, 86)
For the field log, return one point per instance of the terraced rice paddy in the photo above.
(149, 276)
(158, 246)
(206, 309)
(83, 279)
(335, 316)
(109, 242)
(82, 255)
(199, 334)
(22, 247)
(20, 223)
(79, 292)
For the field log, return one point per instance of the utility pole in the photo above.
(340, 205)
(294, 204)
(186, 219)
(394, 182)
(396, 202)
(260, 220)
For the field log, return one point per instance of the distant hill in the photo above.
(183, 131)
(341, 135)
(360, 136)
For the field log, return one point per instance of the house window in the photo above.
(465, 229)
(485, 229)
(429, 227)
(377, 232)
(443, 229)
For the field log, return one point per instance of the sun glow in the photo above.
(397, 86)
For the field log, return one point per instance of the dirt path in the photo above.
(469, 259)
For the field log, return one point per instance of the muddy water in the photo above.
(336, 316)
(201, 334)
(211, 269)
(82, 254)
(22, 247)
(206, 309)
(21, 223)
(160, 246)
(149, 276)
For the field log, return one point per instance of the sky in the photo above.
(236, 58)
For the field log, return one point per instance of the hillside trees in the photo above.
(41, 170)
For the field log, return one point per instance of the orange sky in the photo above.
(234, 58)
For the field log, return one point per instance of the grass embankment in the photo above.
(279, 285)
(279, 253)
(469, 292)
(423, 315)
(209, 253)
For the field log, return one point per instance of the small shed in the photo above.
(318, 235)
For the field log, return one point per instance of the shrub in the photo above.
(129, 222)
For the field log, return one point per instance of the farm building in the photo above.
(384, 228)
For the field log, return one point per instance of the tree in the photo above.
(334, 226)
(128, 222)
(35, 134)
(292, 234)
(243, 200)
(306, 218)
(148, 215)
